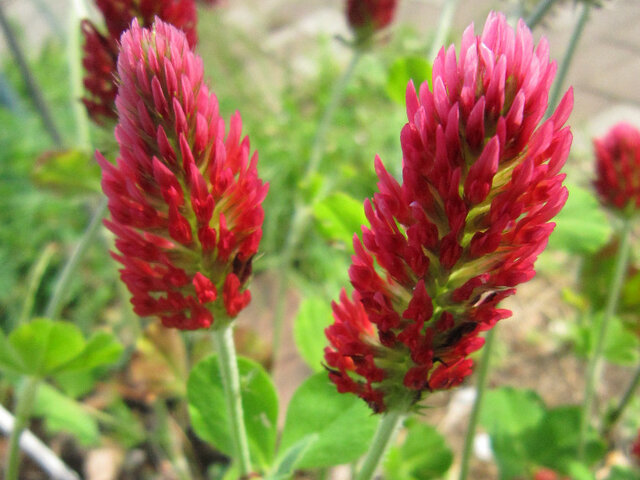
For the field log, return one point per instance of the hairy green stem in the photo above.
(231, 383)
(387, 430)
(444, 26)
(615, 415)
(29, 80)
(35, 276)
(595, 362)
(563, 69)
(55, 302)
(301, 211)
(24, 405)
(539, 13)
(481, 385)
(77, 13)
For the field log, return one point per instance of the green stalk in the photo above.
(55, 302)
(24, 405)
(614, 416)
(481, 385)
(35, 276)
(595, 362)
(231, 383)
(539, 13)
(387, 430)
(554, 97)
(77, 13)
(29, 80)
(444, 26)
(302, 212)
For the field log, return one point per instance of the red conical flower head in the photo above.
(480, 183)
(618, 168)
(365, 17)
(186, 202)
(101, 50)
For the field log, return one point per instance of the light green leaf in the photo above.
(208, 408)
(313, 317)
(9, 358)
(339, 217)
(404, 69)
(101, 349)
(68, 171)
(63, 414)
(344, 425)
(620, 347)
(423, 455)
(581, 226)
(45, 345)
(289, 459)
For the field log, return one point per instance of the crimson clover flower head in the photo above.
(100, 51)
(365, 17)
(185, 202)
(480, 183)
(618, 168)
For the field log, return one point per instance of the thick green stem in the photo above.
(386, 433)
(231, 383)
(595, 362)
(24, 405)
(77, 13)
(301, 211)
(55, 302)
(444, 26)
(29, 80)
(554, 97)
(615, 415)
(483, 369)
(539, 13)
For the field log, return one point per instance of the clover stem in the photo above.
(231, 383)
(615, 415)
(24, 404)
(595, 361)
(483, 369)
(387, 430)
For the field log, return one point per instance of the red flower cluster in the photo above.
(101, 50)
(368, 16)
(186, 203)
(635, 449)
(480, 183)
(618, 168)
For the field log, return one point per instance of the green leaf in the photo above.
(509, 415)
(622, 473)
(9, 358)
(554, 442)
(289, 459)
(339, 217)
(101, 349)
(404, 69)
(423, 455)
(208, 408)
(620, 347)
(313, 317)
(63, 414)
(44, 345)
(581, 226)
(343, 424)
(68, 171)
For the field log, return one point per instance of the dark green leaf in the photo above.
(404, 69)
(344, 425)
(208, 408)
(313, 317)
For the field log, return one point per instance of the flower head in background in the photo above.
(618, 168)
(635, 449)
(185, 202)
(101, 50)
(481, 182)
(365, 17)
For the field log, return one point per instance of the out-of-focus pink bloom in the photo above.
(635, 449)
(365, 17)
(618, 168)
(185, 202)
(481, 182)
(101, 50)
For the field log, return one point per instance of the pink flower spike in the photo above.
(480, 182)
(169, 219)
